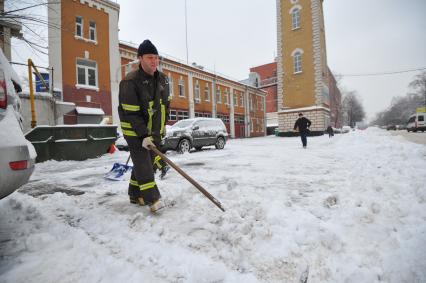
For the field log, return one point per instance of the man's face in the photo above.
(149, 63)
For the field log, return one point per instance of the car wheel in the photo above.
(184, 146)
(220, 143)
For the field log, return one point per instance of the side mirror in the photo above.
(195, 128)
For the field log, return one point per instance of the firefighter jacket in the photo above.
(144, 105)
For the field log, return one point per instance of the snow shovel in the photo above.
(118, 170)
(192, 181)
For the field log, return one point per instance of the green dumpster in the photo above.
(71, 142)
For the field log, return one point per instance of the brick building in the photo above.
(83, 51)
(302, 72)
(198, 93)
(266, 75)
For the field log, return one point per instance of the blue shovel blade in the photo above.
(117, 172)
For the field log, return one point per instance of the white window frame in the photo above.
(242, 99)
(226, 97)
(79, 25)
(218, 96)
(207, 92)
(181, 87)
(295, 19)
(86, 73)
(95, 39)
(235, 99)
(297, 62)
(197, 97)
(172, 115)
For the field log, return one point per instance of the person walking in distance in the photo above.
(143, 110)
(303, 125)
(330, 131)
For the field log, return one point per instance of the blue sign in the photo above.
(39, 85)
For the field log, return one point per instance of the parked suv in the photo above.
(195, 133)
(417, 122)
(17, 155)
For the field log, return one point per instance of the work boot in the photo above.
(164, 171)
(136, 200)
(156, 206)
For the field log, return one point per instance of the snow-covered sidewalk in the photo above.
(347, 209)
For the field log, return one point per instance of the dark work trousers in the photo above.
(303, 135)
(142, 181)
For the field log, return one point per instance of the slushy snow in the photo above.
(347, 209)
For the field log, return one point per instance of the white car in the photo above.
(346, 129)
(17, 155)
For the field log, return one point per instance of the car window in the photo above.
(182, 124)
(411, 120)
(421, 118)
(202, 124)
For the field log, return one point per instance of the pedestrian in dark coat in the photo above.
(302, 124)
(330, 131)
(143, 109)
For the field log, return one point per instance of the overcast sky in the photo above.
(362, 36)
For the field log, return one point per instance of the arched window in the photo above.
(297, 62)
(295, 18)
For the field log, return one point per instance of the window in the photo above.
(218, 96)
(172, 115)
(197, 92)
(224, 118)
(242, 99)
(181, 87)
(295, 19)
(203, 114)
(297, 62)
(79, 26)
(226, 97)
(420, 118)
(87, 73)
(92, 31)
(170, 84)
(207, 92)
(182, 115)
(235, 99)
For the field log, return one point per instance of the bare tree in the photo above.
(353, 108)
(31, 15)
(419, 85)
(402, 107)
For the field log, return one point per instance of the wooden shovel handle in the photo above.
(186, 176)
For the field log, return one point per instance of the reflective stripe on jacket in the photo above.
(144, 104)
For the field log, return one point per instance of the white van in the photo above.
(417, 122)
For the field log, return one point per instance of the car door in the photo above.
(197, 134)
(421, 121)
(213, 131)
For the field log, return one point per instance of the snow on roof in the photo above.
(304, 109)
(5, 65)
(65, 103)
(89, 111)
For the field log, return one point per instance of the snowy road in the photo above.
(347, 209)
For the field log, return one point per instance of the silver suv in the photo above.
(17, 155)
(195, 133)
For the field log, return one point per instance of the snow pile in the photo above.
(347, 209)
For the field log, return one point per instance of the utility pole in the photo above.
(186, 34)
